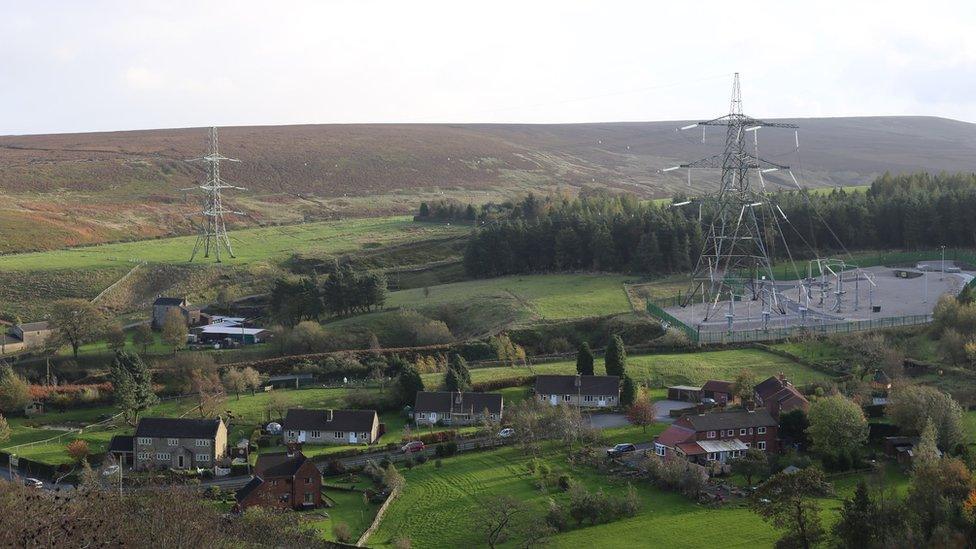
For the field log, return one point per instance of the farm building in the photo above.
(163, 305)
(219, 333)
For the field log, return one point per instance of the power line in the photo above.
(213, 233)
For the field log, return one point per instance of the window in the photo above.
(162, 456)
(761, 445)
(284, 497)
(750, 430)
(659, 449)
(748, 445)
(173, 441)
(711, 456)
(145, 441)
(423, 415)
(202, 442)
(274, 482)
(566, 397)
(761, 430)
(144, 455)
(203, 457)
(308, 480)
(338, 434)
(588, 398)
(365, 435)
(711, 434)
(308, 497)
(291, 434)
(742, 432)
(316, 434)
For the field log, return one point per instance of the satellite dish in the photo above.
(111, 470)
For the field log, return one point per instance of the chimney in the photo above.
(701, 409)
(457, 398)
(328, 415)
(750, 406)
(578, 382)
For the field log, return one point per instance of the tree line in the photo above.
(622, 234)
(343, 291)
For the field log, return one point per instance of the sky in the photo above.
(70, 66)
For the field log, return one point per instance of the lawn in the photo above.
(439, 507)
(548, 297)
(350, 508)
(249, 244)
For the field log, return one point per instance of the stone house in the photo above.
(456, 408)
(179, 443)
(583, 391)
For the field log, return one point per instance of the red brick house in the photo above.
(779, 396)
(282, 480)
(717, 436)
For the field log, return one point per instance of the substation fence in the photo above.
(774, 334)
(671, 322)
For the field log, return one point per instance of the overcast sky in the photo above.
(87, 66)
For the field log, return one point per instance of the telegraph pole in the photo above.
(213, 234)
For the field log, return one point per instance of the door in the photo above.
(352, 438)
(602, 403)
(433, 417)
(180, 461)
(554, 399)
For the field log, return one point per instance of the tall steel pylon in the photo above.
(213, 234)
(735, 259)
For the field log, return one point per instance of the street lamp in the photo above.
(943, 263)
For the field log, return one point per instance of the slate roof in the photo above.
(172, 301)
(781, 391)
(301, 419)
(279, 464)
(121, 443)
(735, 419)
(769, 387)
(38, 326)
(447, 401)
(177, 427)
(241, 494)
(717, 386)
(566, 385)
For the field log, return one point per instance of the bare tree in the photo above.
(498, 518)
(76, 321)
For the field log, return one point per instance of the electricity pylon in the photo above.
(734, 259)
(213, 234)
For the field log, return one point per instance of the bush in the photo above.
(556, 517)
(503, 383)
(342, 532)
(565, 481)
(422, 458)
(214, 492)
(438, 464)
(238, 469)
(445, 450)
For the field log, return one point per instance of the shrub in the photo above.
(342, 532)
(565, 481)
(438, 464)
(446, 449)
(238, 469)
(556, 516)
(422, 458)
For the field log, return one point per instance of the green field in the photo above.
(548, 297)
(328, 237)
(439, 507)
(667, 369)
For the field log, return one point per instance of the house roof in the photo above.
(447, 402)
(279, 464)
(684, 388)
(781, 391)
(690, 448)
(222, 329)
(770, 386)
(38, 326)
(289, 377)
(251, 486)
(121, 443)
(300, 419)
(177, 427)
(675, 434)
(718, 386)
(566, 385)
(881, 377)
(722, 445)
(735, 419)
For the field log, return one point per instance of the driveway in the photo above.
(664, 407)
(608, 421)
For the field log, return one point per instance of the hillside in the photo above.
(71, 189)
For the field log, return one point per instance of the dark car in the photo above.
(412, 446)
(621, 449)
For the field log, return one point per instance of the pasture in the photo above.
(250, 245)
(546, 297)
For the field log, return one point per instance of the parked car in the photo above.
(621, 449)
(412, 446)
(506, 432)
(31, 482)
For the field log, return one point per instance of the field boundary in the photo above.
(117, 282)
(379, 516)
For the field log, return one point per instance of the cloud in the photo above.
(142, 78)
